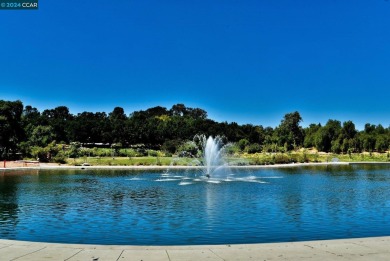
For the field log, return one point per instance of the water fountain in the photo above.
(213, 167)
(213, 161)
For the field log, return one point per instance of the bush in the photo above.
(188, 149)
(25, 149)
(185, 154)
(232, 148)
(40, 154)
(171, 146)
(74, 151)
(242, 144)
(152, 153)
(129, 153)
(141, 152)
(60, 158)
(48, 153)
(254, 148)
(86, 152)
(303, 158)
(282, 159)
(294, 158)
(259, 161)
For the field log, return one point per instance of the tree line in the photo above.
(23, 128)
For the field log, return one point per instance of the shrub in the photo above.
(282, 159)
(47, 153)
(232, 148)
(171, 146)
(152, 153)
(74, 151)
(242, 144)
(60, 158)
(254, 148)
(25, 149)
(40, 154)
(303, 158)
(85, 152)
(130, 153)
(141, 152)
(188, 149)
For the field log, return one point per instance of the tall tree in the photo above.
(197, 113)
(31, 118)
(179, 110)
(348, 131)
(118, 120)
(289, 131)
(41, 136)
(347, 137)
(326, 137)
(59, 119)
(11, 132)
(310, 135)
(88, 127)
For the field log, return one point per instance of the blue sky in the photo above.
(242, 61)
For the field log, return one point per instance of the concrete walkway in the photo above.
(344, 249)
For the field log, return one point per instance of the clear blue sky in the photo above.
(246, 61)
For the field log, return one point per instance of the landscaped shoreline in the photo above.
(156, 167)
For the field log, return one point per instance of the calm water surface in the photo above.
(179, 207)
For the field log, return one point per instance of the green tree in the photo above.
(31, 118)
(118, 120)
(289, 131)
(325, 138)
(171, 146)
(254, 148)
(11, 131)
(197, 113)
(60, 120)
(310, 135)
(74, 150)
(336, 146)
(348, 131)
(88, 127)
(382, 143)
(179, 110)
(41, 136)
(367, 138)
(347, 137)
(242, 144)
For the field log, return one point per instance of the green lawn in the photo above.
(132, 161)
(242, 159)
(281, 158)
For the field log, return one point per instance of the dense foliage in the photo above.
(26, 132)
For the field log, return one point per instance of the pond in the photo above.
(178, 207)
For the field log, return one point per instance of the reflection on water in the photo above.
(9, 214)
(135, 207)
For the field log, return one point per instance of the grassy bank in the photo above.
(133, 161)
(242, 159)
(301, 157)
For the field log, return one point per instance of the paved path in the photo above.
(344, 249)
